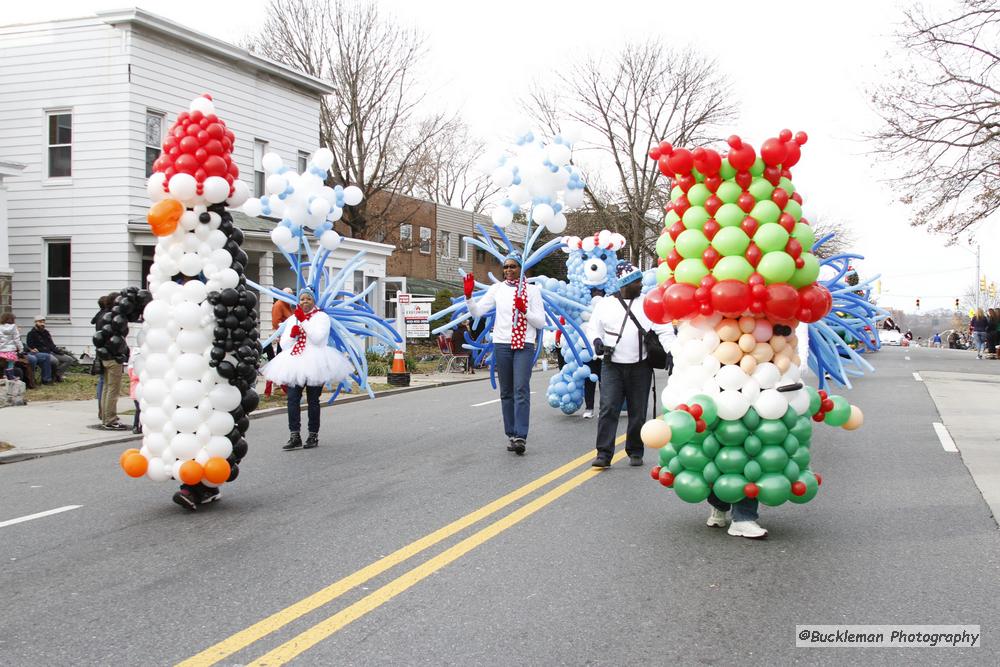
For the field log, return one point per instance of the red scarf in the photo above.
(299, 333)
(520, 320)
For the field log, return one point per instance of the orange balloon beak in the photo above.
(164, 216)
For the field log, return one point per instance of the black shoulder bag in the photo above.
(655, 353)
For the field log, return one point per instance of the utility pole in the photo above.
(977, 279)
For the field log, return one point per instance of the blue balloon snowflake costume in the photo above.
(852, 319)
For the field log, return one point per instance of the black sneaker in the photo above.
(115, 426)
(186, 499)
(510, 445)
(518, 446)
(311, 441)
(208, 494)
(635, 461)
(601, 462)
(294, 442)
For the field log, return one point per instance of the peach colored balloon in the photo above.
(856, 419)
(748, 364)
(747, 342)
(728, 330)
(728, 352)
(782, 362)
(778, 343)
(747, 324)
(655, 433)
(762, 331)
(763, 352)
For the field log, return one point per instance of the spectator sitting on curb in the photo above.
(40, 342)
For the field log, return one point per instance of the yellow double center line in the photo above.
(327, 627)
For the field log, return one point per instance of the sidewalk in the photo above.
(55, 427)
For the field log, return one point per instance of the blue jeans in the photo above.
(45, 360)
(744, 510)
(979, 340)
(312, 407)
(514, 373)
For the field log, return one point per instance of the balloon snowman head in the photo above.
(592, 260)
(737, 274)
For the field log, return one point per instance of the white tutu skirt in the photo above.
(315, 365)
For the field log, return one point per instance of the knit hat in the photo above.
(514, 256)
(306, 290)
(626, 273)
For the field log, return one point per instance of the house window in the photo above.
(154, 139)
(445, 244)
(463, 247)
(405, 236)
(259, 148)
(303, 161)
(57, 274)
(60, 144)
(480, 255)
(425, 240)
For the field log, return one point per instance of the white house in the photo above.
(84, 107)
(6, 271)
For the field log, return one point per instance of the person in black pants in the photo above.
(626, 374)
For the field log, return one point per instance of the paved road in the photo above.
(575, 567)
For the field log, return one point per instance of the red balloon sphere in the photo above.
(782, 301)
(666, 478)
(216, 166)
(655, 472)
(773, 152)
(652, 305)
(742, 158)
(817, 299)
(750, 490)
(681, 161)
(730, 297)
(678, 301)
(186, 164)
(799, 488)
(744, 179)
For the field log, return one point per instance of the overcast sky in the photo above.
(793, 65)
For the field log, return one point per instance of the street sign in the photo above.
(402, 297)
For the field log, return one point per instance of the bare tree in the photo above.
(371, 123)
(842, 240)
(446, 173)
(628, 103)
(941, 117)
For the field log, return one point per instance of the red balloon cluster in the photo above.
(779, 154)
(731, 298)
(825, 405)
(199, 145)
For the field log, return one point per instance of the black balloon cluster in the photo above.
(112, 330)
(236, 348)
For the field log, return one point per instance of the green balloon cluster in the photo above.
(718, 234)
(769, 456)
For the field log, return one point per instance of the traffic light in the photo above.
(956, 304)
(982, 283)
(918, 304)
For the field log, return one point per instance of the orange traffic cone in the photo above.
(398, 362)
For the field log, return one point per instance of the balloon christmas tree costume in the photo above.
(199, 358)
(735, 273)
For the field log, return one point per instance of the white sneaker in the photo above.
(588, 414)
(717, 519)
(748, 529)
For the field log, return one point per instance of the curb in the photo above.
(15, 456)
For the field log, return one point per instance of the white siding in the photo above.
(109, 77)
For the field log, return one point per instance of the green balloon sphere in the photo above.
(732, 459)
(691, 487)
(752, 445)
(773, 489)
(793, 209)
(698, 194)
(771, 432)
(731, 433)
(841, 412)
(812, 488)
(695, 217)
(771, 237)
(670, 219)
(805, 235)
(814, 401)
(786, 185)
(709, 410)
(752, 471)
(692, 458)
(802, 457)
(675, 193)
(729, 191)
(691, 243)
(675, 466)
(803, 428)
(733, 267)
(726, 171)
(761, 189)
(751, 419)
(765, 212)
(711, 472)
(807, 274)
(663, 273)
(691, 271)
(757, 168)
(667, 454)
(791, 444)
(792, 471)
(664, 245)
(791, 417)
(681, 425)
(710, 446)
(730, 241)
(776, 267)
(729, 488)
(729, 215)
(772, 459)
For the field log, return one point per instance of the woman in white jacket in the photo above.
(519, 315)
(306, 362)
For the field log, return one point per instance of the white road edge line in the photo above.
(495, 400)
(916, 376)
(11, 522)
(946, 442)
